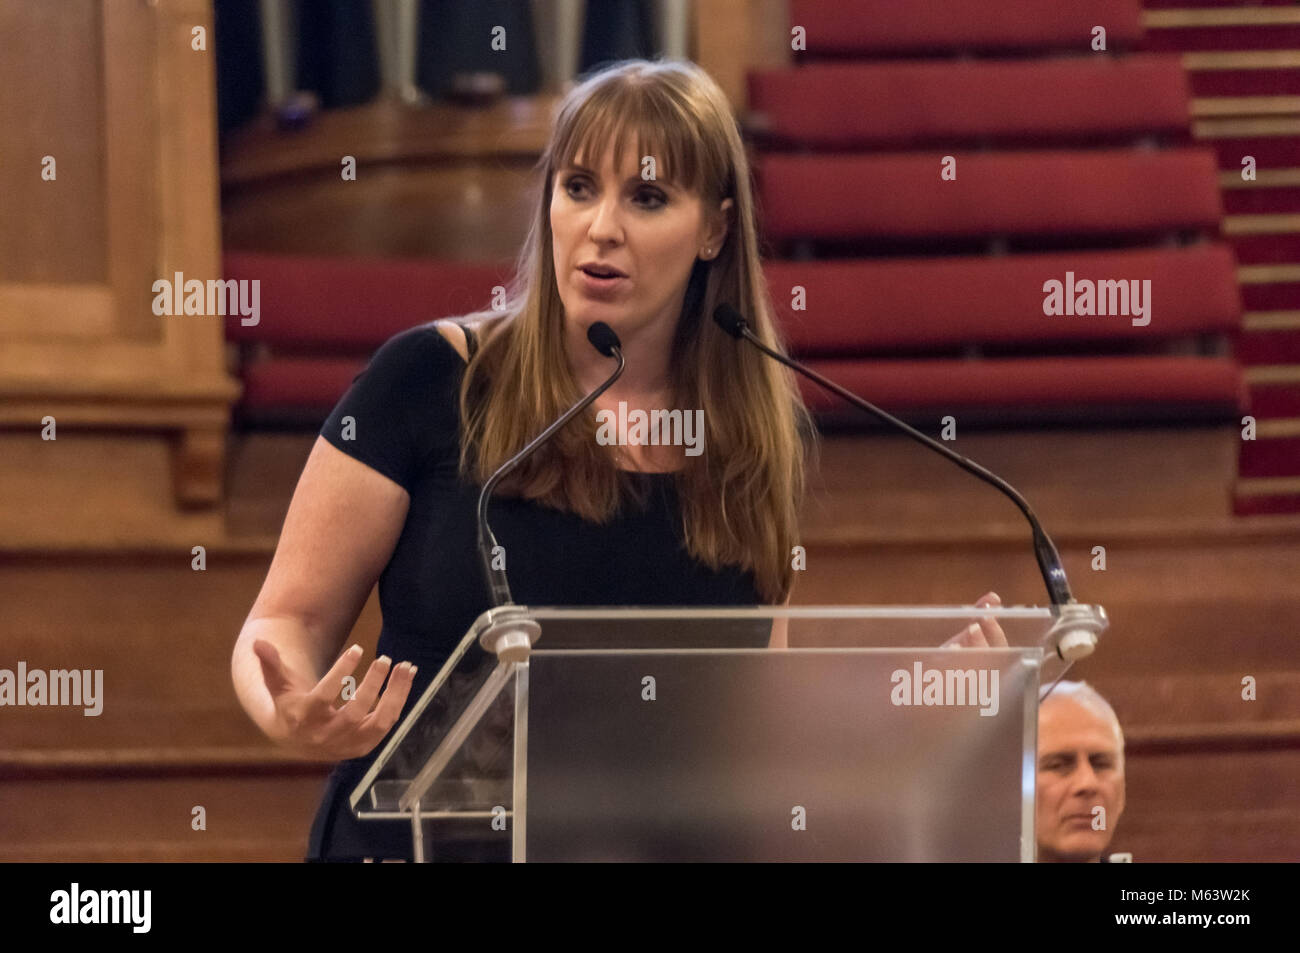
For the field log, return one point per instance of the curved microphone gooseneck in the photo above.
(604, 340)
(1049, 560)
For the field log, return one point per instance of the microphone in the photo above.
(604, 340)
(1075, 633)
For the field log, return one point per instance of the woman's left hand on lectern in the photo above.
(985, 634)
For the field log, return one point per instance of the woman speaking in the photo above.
(644, 221)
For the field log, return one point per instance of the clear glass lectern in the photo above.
(675, 734)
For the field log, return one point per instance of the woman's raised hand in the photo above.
(309, 720)
(985, 634)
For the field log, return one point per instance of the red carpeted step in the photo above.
(1269, 457)
(1220, 38)
(877, 305)
(1274, 400)
(1190, 4)
(1269, 152)
(1108, 191)
(1274, 249)
(1278, 296)
(1078, 97)
(1245, 82)
(889, 26)
(1268, 347)
(1262, 200)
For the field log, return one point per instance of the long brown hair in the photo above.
(740, 498)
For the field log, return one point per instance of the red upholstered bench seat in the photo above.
(351, 305)
(1273, 346)
(1075, 98)
(293, 384)
(314, 385)
(1031, 193)
(894, 26)
(1239, 37)
(1137, 385)
(1275, 399)
(874, 306)
(322, 319)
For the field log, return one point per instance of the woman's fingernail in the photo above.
(384, 659)
(414, 669)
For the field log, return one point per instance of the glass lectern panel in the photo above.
(463, 753)
(747, 756)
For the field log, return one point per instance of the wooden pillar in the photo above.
(109, 113)
(733, 37)
(558, 25)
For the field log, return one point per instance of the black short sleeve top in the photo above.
(401, 417)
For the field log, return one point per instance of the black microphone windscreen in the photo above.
(603, 338)
(729, 319)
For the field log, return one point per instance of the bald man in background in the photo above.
(1080, 770)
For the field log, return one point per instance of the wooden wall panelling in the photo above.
(1197, 600)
